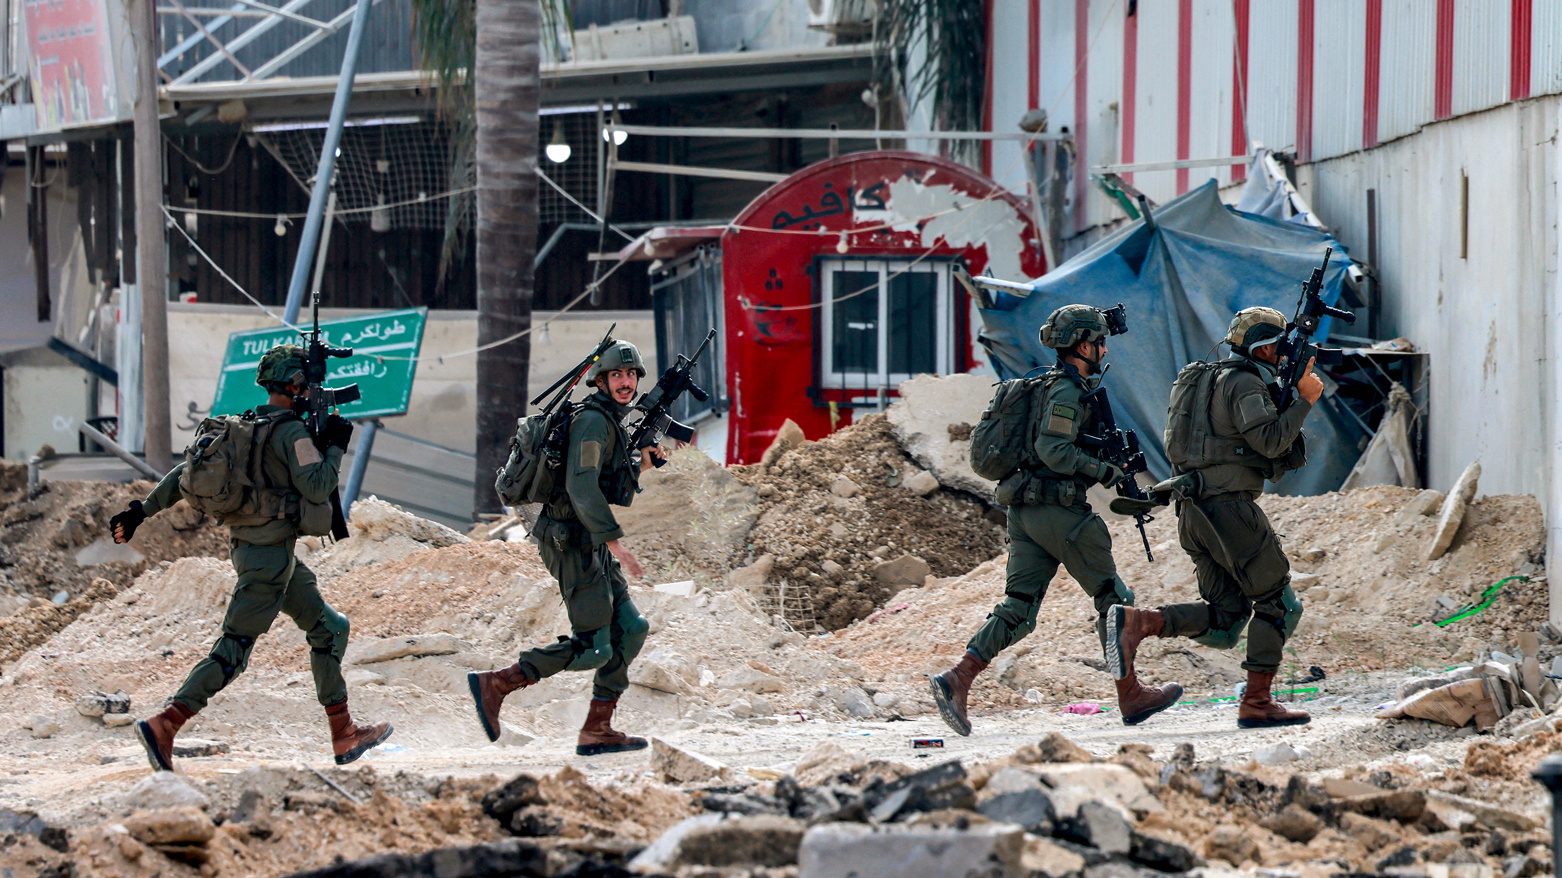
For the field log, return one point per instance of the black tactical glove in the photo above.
(1110, 474)
(338, 431)
(123, 526)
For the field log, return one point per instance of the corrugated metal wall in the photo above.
(1546, 48)
(1155, 107)
(1409, 46)
(1010, 51)
(1481, 51)
(1339, 45)
(1103, 110)
(1209, 129)
(1271, 78)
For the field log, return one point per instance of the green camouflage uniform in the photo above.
(271, 578)
(572, 536)
(1051, 522)
(1242, 570)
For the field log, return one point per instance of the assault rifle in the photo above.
(320, 400)
(1121, 447)
(1295, 348)
(657, 422)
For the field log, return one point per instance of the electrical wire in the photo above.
(232, 151)
(338, 212)
(225, 276)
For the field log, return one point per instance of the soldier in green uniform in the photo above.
(578, 539)
(1051, 522)
(299, 477)
(1225, 437)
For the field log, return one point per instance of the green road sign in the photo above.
(384, 348)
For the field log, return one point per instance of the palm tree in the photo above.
(951, 38)
(494, 115)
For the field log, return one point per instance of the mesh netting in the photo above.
(395, 164)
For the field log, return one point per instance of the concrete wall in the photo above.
(443, 407)
(46, 400)
(1490, 315)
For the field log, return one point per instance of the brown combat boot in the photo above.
(156, 734)
(350, 740)
(951, 688)
(599, 736)
(1126, 628)
(489, 689)
(1258, 710)
(1139, 702)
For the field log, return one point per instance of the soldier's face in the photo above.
(620, 384)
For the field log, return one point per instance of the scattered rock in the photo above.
(1029, 809)
(99, 703)
(365, 652)
(907, 570)
(652, 675)
(41, 726)
(1160, 854)
(1043, 856)
(790, 436)
(1452, 514)
(921, 483)
(192, 748)
(118, 720)
(1054, 748)
(1491, 815)
(165, 789)
(754, 575)
(750, 680)
(1405, 806)
(1114, 783)
(1230, 843)
(1274, 754)
(1371, 832)
(29, 823)
(1424, 503)
(760, 840)
(1099, 826)
(1294, 823)
(844, 487)
(847, 850)
(510, 856)
(185, 825)
(511, 736)
(856, 702)
(684, 766)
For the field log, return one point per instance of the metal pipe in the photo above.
(119, 451)
(360, 464)
(327, 166)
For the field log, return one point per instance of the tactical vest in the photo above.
(618, 478)
(1191, 441)
(225, 476)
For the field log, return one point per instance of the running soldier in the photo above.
(578, 538)
(1050, 519)
(1224, 437)
(293, 474)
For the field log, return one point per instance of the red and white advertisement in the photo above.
(72, 63)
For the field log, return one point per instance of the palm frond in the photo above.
(951, 38)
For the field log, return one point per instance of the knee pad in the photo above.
(1125, 595)
(1018, 615)
(231, 653)
(635, 628)
(1222, 638)
(592, 650)
(1112, 593)
(338, 626)
(1293, 612)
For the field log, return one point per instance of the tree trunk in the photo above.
(506, 90)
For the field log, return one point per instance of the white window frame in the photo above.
(944, 320)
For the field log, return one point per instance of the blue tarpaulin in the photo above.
(1182, 280)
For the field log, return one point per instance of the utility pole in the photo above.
(151, 251)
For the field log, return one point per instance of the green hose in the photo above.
(1487, 597)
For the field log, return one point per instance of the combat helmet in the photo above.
(1072, 324)
(622, 355)
(281, 366)
(1254, 326)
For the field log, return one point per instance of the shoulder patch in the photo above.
(1254, 410)
(1060, 419)
(306, 452)
(590, 454)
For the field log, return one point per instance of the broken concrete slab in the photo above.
(365, 652)
(846, 850)
(685, 766)
(510, 856)
(185, 825)
(760, 840)
(907, 570)
(1098, 825)
(1030, 809)
(1422, 504)
(920, 483)
(790, 436)
(1114, 783)
(1491, 815)
(932, 421)
(1452, 514)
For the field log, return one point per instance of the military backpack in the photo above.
(1003, 441)
(224, 475)
(1191, 441)
(531, 473)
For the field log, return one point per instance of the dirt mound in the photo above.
(691, 520)
(1359, 562)
(828, 542)
(59, 540)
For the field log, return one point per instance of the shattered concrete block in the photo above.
(684, 766)
(1009, 780)
(1043, 856)
(1294, 823)
(99, 703)
(761, 840)
(1452, 515)
(750, 680)
(653, 675)
(844, 487)
(1109, 782)
(1099, 826)
(1160, 854)
(849, 850)
(512, 736)
(921, 483)
(754, 575)
(790, 436)
(1231, 844)
(1424, 503)
(1030, 809)
(185, 825)
(365, 652)
(856, 702)
(932, 789)
(932, 422)
(165, 789)
(907, 570)
(1053, 748)
(1441, 816)
(1491, 815)
(1374, 834)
